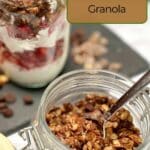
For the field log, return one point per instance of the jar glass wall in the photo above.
(76, 85)
(33, 40)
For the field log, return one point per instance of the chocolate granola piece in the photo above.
(10, 97)
(28, 99)
(2, 98)
(101, 99)
(78, 37)
(88, 108)
(7, 112)
(68, 107)
(2, 105)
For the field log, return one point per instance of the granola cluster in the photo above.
(35, 14)
(91, 53)
(79, 125)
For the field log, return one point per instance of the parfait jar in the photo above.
(33, 40)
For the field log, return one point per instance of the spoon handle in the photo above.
(145, 80)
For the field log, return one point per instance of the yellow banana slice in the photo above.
(5, 143)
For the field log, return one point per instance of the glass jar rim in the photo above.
(41, 109)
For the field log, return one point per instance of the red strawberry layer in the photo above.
(32, 59)
(22, 32)
(27, 31)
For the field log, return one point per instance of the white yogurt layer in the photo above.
(43, 39)
(36, 77)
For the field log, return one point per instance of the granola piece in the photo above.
(76, 51)
(88, 108)
(94, 116)
(3, 79)
(104, 63)
(97, 66)
(109, 148)
(78, 37)
(117, 144)
(124, 115)
(104, 41)
(114, 136)
(89, 97)
(126, 143)
(115, 66)
(89, 63)
(100, 51)
(110, 124)
(104, 107)
(95, 37)
(10, 97)
(78, 59)
(67, 107)
(136, 139)
(101, 99)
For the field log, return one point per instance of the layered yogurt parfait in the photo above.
(33, 40)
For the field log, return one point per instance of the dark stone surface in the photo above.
(118, 51)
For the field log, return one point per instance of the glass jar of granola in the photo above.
(33, 40)
(72, 87)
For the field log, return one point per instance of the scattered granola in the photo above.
(90, 53)
(79, 125)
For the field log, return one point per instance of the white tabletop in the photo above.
(135, 35)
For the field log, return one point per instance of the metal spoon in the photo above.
(141, 83)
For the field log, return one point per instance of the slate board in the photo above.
(118, 51)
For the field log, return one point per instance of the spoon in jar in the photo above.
(139, 85)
